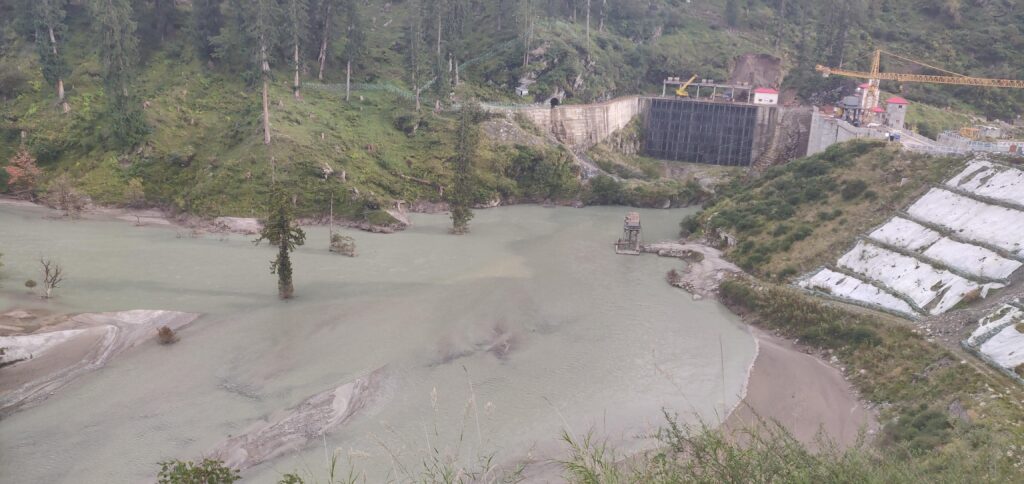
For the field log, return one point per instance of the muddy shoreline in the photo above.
(787, 383)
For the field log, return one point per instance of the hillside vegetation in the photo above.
(173, 103)
(803, 214)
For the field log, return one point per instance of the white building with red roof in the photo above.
(896, 111)
(766, 95)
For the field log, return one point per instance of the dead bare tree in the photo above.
(53, 276)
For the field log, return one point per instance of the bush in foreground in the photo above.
(208, 471)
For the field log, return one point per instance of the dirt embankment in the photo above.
(787, 384)
(803, 394)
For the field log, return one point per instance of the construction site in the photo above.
(863, 115)
(742, 122)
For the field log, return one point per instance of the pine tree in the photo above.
(525, 20)
(207, 22)
(460, 194)
(50, 27)
(355, 42)
(261, 20)
(298, 17)
(327, 12)
(119, 52)
(280, 230)
(732, 12)
(414, 47)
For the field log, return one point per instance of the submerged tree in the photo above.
(53, 276)
(280, 230)
(460, 194)
(49, 16)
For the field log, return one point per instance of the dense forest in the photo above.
(200, 103)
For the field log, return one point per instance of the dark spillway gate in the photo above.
(718, 133)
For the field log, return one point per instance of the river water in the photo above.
(598, 342)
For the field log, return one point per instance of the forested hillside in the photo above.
(200, 104)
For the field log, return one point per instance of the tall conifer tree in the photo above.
(50, 27)
(119, 52)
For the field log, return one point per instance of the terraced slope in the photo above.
(999, 338)
(957, 242)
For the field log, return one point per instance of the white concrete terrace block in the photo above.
(1006, 348)
(991, 180)
(906, 234)
(974, 260)
(1004, 315)
(972, 220)
(917, 280)
(847, 287)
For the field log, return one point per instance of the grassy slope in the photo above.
(943, 419)
(946, 417)
(204, 154)
(797, 216)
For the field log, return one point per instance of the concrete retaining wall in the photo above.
(826, 131)
(583, 125)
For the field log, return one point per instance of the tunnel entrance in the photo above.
(555, 102)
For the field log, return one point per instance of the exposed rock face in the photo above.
(761, 70)
(54, 355)
(292, 429)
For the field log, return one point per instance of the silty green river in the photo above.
(591, 341)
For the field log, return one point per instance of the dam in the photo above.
(709, 130)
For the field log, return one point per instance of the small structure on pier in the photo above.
(631, 235)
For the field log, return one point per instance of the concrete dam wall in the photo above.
(721, 133)
(580, 126)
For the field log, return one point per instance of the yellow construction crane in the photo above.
(874, 77)
(681, 91)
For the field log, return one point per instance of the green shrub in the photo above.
(920, 428)
(802, 232)
(737, 293)
(208, 471)
(689, 225)
(780, 230)
(853, 189)
(604, 190)
(12, 80)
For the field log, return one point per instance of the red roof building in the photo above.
(765, 90)
(877, 109)
(896, 100)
